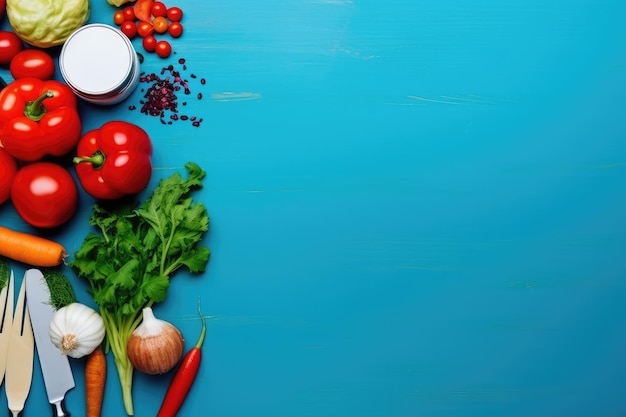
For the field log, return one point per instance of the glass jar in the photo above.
(99, 63)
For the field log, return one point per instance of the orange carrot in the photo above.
(30, 249)
(95, 378)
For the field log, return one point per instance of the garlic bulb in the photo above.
(76, 329)
(155, 346)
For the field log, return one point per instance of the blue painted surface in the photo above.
(417, 209)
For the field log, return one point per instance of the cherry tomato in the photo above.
(163, 49)
(44, 194)
(158, 9)
(175, 14)
(129, 29)
(10, 45)
(144, 29)
(175, 29)
(160, 24)
(149, 43)
(129, 13)
(8, 169)
(33, 63)
(118, 17)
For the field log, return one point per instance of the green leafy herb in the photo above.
(128, 264)
(61, 291)
(4, 273)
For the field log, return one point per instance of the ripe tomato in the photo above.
(149, 43)
(160, 24)
(10, 44)
(8, 169)
(175, 14)
(158, 9)
(33, 63)
(129, 13)
(44, 194)
(144, 29)
(163, 49)
(129, 29)
(175, 30)
(118, 17)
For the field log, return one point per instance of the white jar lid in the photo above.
(97, 60)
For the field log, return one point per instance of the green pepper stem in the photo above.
(203, 331)
(97, 159)
(35, 109)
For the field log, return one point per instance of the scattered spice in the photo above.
(160, 98)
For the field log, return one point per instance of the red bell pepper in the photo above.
(38, 118)
(114, 160)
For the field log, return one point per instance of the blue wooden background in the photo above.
(418, 209)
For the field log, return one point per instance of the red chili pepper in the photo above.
(38, 118)
(184, 377)
(114, 160)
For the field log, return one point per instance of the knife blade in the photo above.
(19, 368)
(57, 373)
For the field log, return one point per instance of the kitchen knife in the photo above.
(57, 373)
(19, 368)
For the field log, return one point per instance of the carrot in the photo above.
(30, 249)
(95, 378)
(184, 377)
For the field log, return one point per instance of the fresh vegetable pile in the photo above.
(150, 19)
(129, 263)
(138, 242)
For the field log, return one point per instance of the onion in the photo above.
(155, 346)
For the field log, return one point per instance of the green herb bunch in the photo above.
(4, 273)
(128, 264)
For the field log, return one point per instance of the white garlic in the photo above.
(76, 329)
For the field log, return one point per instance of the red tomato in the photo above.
(149, 43)
(118, 17)
(10, 45)
(8, 169)
(163, 49)
(129, 13)
(144, 29)
(175, 14)
(33, 63)
(175, 30)
(129, 29)
(158, 9)
(44, 194)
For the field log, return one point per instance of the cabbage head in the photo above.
(46, 23)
